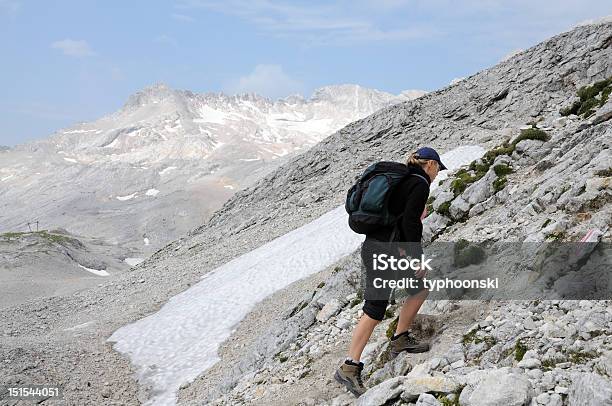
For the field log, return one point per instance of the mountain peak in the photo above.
(150, 94)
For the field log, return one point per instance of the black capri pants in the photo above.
(376, 308)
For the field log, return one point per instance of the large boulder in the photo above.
(415, 386)
(498, 387)
(590, 389)
(603, 114)
(330, 309)
(534, 149)
(459, 207)
(380, 394)
(408, 387)
(427, 399)
(480, 190)
(433, 224)
(442, 198)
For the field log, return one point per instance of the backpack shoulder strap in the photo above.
(422, 177)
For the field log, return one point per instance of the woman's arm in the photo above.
(411, 225)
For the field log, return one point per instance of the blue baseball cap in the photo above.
(430, 153)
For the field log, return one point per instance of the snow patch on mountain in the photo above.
(99, 272)
(133, 261)
(127, 197)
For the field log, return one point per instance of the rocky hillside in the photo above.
(542, 115)
(70, 263)
(547, 175)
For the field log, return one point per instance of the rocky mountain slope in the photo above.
(159, 166)
(555, 186)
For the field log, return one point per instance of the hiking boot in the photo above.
(349, 375)
(406, 342)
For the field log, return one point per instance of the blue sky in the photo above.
(70, 61)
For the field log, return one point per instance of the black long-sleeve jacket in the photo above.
(410, 197)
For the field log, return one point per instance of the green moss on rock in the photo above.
(444, 209)
(392, 327)
(589, 98)
(502, 169)
(499, 183)
(519, 350)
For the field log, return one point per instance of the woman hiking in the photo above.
(408, 200)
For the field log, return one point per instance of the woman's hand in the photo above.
(424, 214)
(420, 273)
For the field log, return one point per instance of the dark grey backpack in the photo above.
(367, 201)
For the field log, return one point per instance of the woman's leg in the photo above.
(409, 311)
(361, 334)
(373, 310)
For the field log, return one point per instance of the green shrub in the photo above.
(465, 255)
(502, 169)
(444, 209)
(573, 109)
(481, 170)
(505, 149)
(458, 186)
(604, 95)
(392, 327)
(587, 107)
(604, 173)
(581, 357)
(358, 299)
(445, 401)
(589, 92)
(470, 336)
(519, 350)
(588, 98)
(499, 183)
(531, 134)
(463, 178)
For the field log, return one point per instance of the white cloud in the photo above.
(341, 22)
(266, 80)
(182, 17)
(72, 47)
(314, 24)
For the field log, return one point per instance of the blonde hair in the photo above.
(413, 159)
